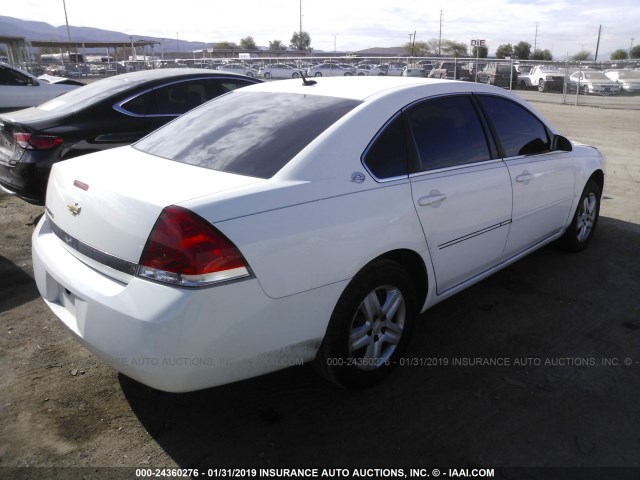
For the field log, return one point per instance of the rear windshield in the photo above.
(249, 133)
(90, 94)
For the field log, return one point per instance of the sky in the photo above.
(564, 27)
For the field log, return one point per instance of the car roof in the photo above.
(363, 87)
(161, 73)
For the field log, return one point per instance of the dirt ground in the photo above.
(567, 325)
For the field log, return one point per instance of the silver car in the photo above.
(238, 68)
(19, 89)
(593, 82)
(279, 70)
(330, 70)
(629, 80)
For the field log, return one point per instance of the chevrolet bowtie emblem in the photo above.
(74, 208)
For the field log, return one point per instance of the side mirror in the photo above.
(33, 82)
(561, 143)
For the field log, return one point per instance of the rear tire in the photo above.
(582, 227)
(369, 328)
(542, 86)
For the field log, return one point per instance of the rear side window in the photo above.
(519, 131)
(180, 97)
(447, 133)
(386, 157)
(249, 133)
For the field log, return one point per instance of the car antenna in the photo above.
(306, 82)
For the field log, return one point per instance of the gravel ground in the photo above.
(562, 326)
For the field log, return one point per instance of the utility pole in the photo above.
(631, 45)
(595, 59)
(440, 35)
(300, 31)
(535, 39)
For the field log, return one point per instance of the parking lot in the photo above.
(537, 366)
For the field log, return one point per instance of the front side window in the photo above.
(9, 76)
(447, 132)
(249, 133)
(519, 131)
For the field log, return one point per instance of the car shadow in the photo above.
(502, 374)
(16, 286)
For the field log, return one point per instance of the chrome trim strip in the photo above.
(473, 235)
(93, 253)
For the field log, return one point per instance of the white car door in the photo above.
(542, 179)
(461, 192)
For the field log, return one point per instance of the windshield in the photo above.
(630, 74)
(249, 133)
(596, 76)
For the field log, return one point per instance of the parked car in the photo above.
(330, 70)
(303, 221)
(629, 80)
(108, 113)
(366, 69)
(239, 69)
(19, 89)
(499, 74)
(414, 70)
(60, 80)
(543, 78)
(591, 81)
(279, 70)
(450, 70)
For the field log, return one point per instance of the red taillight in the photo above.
(37, 142)
(185, 249)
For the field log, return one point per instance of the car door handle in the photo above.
(433, 200)
(524, 177)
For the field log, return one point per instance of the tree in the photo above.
(225, 46)
(619, 55)
(480, 52)
(300, 41)
(581, 56)
(276, 45)
(635, 52)
(451, 48)
(504, 51)
(522, 50)
(541, 55)
(247, 43)
(418, 49)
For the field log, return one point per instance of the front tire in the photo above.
(318, 74)
(582, 227)
(295, 75)
(267, 76)
(369, 328)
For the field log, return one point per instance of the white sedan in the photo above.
(303, 220)
(279, 70)
(19, 89)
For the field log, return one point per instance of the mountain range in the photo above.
(30, 30)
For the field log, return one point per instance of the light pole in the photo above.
(631, 45)
(335, 35)
(134, 55)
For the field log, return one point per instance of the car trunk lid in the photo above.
(105, 205)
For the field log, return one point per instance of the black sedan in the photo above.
(108, 113)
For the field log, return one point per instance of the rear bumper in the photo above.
(177, 339)
(27, 179)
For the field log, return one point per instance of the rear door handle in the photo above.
(524, 177)
(434, 200)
